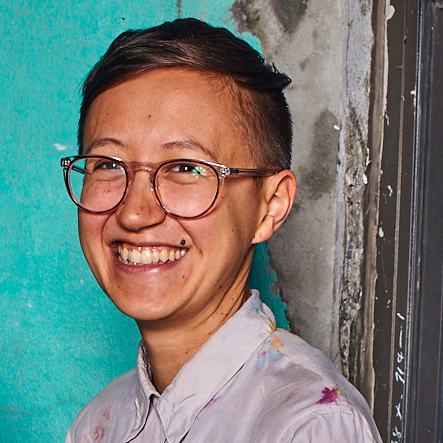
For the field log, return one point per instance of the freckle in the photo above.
(149, 116)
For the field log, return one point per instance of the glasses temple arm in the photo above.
(262, 172)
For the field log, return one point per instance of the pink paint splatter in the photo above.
(100, 429)
(329, 396)
(99, 433)
(292, 395)
(212, 401)
(106, 414)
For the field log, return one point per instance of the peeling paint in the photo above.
(263, 278)
(357, 161)
(353, 183)
(365, 7)
(245, 16)
(289, 13)
(268, 19)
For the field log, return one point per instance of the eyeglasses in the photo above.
(183, 188)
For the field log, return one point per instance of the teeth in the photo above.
(147, 256)
(134, 256)
(164, 256)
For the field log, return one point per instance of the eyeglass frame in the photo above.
(222, 172)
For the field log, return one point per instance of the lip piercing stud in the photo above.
(183, 242)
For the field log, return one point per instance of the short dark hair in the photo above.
(190, 43)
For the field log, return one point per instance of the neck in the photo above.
(168, 349)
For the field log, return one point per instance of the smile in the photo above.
(148, 255)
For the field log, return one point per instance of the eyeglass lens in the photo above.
(184, 188)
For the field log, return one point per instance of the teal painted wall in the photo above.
(61, 339)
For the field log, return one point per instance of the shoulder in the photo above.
(308, 393)
(98, 416)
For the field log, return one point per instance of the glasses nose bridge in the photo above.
(149, 167)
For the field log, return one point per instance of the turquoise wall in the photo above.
(61, 340)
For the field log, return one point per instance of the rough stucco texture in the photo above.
(61, 340)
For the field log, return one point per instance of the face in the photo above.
(202, 264)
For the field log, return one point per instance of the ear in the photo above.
(278, 198)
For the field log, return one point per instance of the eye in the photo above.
(103, 168)
(108, 165)
(190, 168)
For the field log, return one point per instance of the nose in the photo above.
(140, 209)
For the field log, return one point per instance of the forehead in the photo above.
(167, 105)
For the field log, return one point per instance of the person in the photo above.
(185, 148)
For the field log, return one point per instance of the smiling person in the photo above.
(185, 150)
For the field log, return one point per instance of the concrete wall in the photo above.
(61, 340)
(326, 48)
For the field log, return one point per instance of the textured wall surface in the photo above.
(61, 339)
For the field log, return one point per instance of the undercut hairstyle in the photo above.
(263, 113)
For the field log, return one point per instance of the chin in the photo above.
(148, 309)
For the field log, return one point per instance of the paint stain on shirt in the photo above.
(291, 395)
(276, 344)
(100, 429)
(212, 401)
(271, 356)
(329, 396)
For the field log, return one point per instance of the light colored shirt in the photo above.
(249, 383)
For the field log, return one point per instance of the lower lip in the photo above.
(144, 269)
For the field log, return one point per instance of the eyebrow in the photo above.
(190, 144)
(103, 142)
(179, 144)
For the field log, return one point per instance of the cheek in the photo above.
(90, 230)
(228, 228)
(244, 212)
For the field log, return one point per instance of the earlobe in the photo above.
(279, 193)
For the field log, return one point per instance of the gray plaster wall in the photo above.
(325, 47)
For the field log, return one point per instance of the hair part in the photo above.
(263, 113)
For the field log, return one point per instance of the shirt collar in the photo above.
(202, 377)
(145, 389)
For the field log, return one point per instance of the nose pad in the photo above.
(140, 209)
